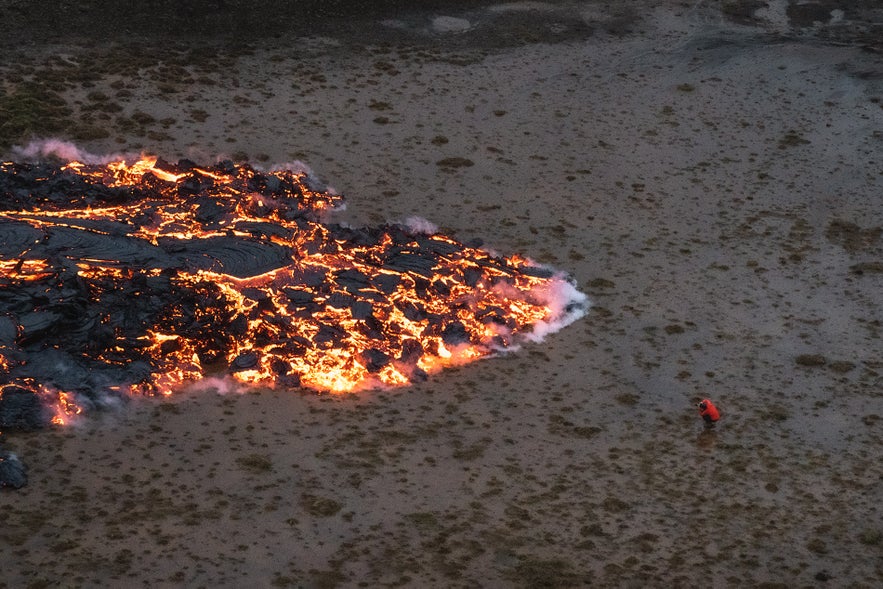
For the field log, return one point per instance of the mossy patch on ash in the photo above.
(811, 360)
(319, 506)
(452, 163)
(255, 463)
(550, 573)
(851, 236)
(31, 109)
(39, 97)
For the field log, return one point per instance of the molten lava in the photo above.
(140, 277)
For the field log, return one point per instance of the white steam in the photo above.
(64, 150)
(297, 166)
(420, 225)
(566, 303)
(217, 385)
(313, 181)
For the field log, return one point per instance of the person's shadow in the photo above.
(706, 439)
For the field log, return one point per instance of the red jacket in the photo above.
(710, 410)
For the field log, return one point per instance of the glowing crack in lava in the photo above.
(136, 278)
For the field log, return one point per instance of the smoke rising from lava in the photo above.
(62, 150)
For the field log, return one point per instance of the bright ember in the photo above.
(137, 278)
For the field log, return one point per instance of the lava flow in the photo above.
(118, 279)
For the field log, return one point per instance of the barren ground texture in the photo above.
(710, 174)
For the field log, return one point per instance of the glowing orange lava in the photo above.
(170, 272)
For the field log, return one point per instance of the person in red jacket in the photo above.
(708, 412)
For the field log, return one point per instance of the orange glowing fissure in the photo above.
(343, 310)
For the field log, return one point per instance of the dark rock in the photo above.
(13, 473)
(362, 237)
(353, 280)
(361, 310)
(210, 210)
(417, 374)
(371, 328)
(236, 256)
(400, 235)
(36, 325)
(414, 312)
(493, 315)
(471, 276)
(164, 165)
(421, 288)
(298, 297)
(238, 326)
(386, 283)
(288, 381)
(455, 333)
(261, 229)
(254, 294)
(60, 369)
(438, 246)
(313, 277)
(279, 367)
(297, 345)
(537, 271)
(416, 262)
(8, 331)
(272, 185)
(244, 361)
(441, 289)
(375, 359)
(412, 350)
(329, 334)
(189, 187)
(226, 167)
(340, 301)
(21, 409)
